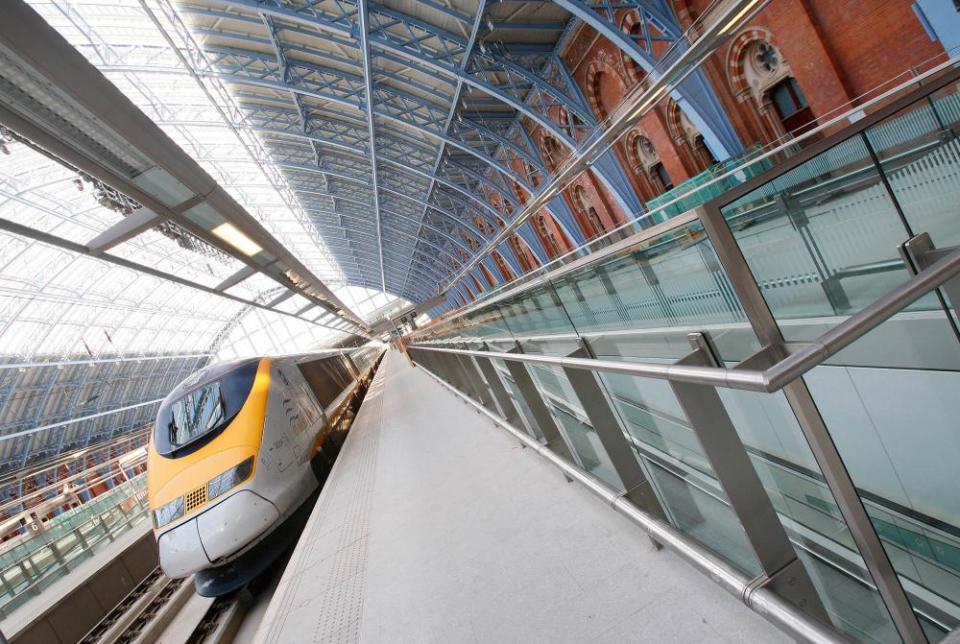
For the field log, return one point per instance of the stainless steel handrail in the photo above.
(947, 74)
(777, 375)
(758, 598)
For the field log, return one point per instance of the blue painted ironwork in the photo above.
(363, 10)
(657, 23)
(348, 120)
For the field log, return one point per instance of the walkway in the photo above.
(436, 526)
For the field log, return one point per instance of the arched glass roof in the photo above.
(87, 347)
(379, 142)
(85, 342)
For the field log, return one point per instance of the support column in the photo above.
(476, 380)
(541, 413)
(599, 409)
(508, 411)
(731, 464)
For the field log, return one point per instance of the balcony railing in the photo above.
(770, 376)
(35, 563)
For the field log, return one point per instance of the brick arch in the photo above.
(690, 146)
(594, 72)
(632, 155)
(470, 240)
(648, 190)
(736, 75)
(674, 124)
(553, 237)
(586, 213)
(503, 267)
(519, 191)
(551, 150)
(634, 72)
(528, 261)
(483, 225)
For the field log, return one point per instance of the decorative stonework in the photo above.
(640, 151)
(601, 65)
(754, 64)
(632, 71)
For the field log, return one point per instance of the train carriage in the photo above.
(237, 449)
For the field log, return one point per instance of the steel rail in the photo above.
(778, 375)
(750, 591)
(716, 31)
(558, 265)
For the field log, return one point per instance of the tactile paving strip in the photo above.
(320, 598)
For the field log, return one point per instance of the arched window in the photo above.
(590, 220)
(519, 191)
(527, 261)
(552, 153)
(503, 267)
(661, 175)
(645, 151)
(688, 141)
(647, 160)
(551, 236)
(791, 105)
(482, 225)
(760, 74)
(533, 175)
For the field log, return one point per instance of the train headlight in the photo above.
(229, 479)
(167, 513)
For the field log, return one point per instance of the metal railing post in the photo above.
(106, 529)
(919, 253)
(731, 464)
(541, 413)
(467, 385)
(451, 370)
(8, 589)
(500, 394)
(605, 421)
(814, 430)
(475, 380)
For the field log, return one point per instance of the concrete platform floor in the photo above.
(437, 526)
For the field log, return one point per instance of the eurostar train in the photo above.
(237, 449)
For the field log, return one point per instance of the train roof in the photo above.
(207, 374)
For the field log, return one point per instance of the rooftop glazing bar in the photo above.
(816, 281)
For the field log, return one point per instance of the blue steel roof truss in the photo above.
(408, 124)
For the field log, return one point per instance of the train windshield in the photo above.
(203, 411)
(196, 413)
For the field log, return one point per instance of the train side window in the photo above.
(327, 378)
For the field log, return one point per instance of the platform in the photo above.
(437, 526)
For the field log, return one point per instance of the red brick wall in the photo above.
(836, 49)
(872, 40)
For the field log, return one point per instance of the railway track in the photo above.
(157, 607)
(223, 619)
(169, 610)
